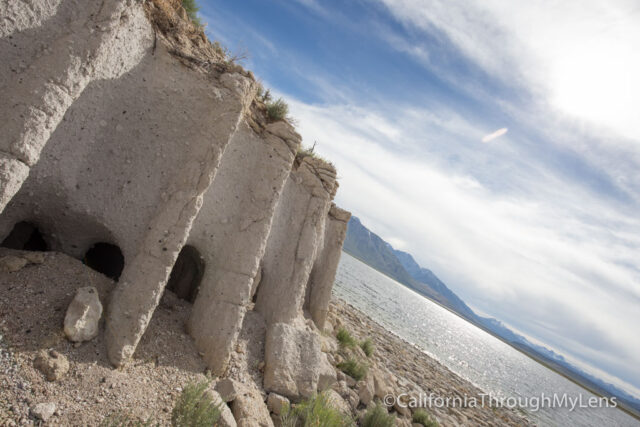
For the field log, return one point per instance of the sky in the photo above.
(498, 142)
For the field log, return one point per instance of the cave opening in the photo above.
(186, 274)
(105, 258)
(25, 236)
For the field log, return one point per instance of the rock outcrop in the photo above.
(130, 142)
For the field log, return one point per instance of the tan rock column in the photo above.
(324, 269)
(77, 46)
(232, 230)
(144, 278)
(295, 238)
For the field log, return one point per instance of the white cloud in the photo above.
(493, 135)
(583, 57)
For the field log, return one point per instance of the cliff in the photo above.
(131, 142)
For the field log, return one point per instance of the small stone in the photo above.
(52, 364)
(228, 389)
(44, 411)
(83, 315)
(11, 264)
(277, 403)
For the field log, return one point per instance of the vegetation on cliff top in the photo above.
(192, 9)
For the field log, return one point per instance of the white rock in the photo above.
(292, 361)
(338, 402)
(83, 315)
(226, 417)
(44, 411)
(327, 374)
(228, 389)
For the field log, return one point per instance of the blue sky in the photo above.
(538, 227)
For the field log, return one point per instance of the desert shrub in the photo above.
(345, 338)
(377, 416)
(277, 110)
(121, 419)
(192, 8)
(423, 418)
(367, 347)
(355, 369)
(317, 411)
(263, 94)
(195, 407)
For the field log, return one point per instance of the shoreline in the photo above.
(418, 372)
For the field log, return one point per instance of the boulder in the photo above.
(366, 390)
(335, 400)
(228, 389)
(83, 315)
(52, 364)
(277, 403)
(249, 409)
(226, 417)
(11, 264)
(327, 374)
(292, 361)
(44, 411)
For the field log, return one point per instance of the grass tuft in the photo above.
(195, 407)
(316, 411)
(192, 9)
(345, 338)
(355, 369)
(277, 110)
(367, 347)
(423, 418)
(377, 416)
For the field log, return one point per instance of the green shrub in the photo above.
(277, 110)
(192, 8)
(377, 416)
(263, 94)
(120, 419)
(367, 347)
(345, 338)
(316, 411)
(195, 407)
(422, 417)
(353, 368)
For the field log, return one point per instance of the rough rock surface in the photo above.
(292, 361)
(44, 411)
(10, 263)
(277, 403)
(325, 266)
(83, 315)
(226, 416)
(249, 409)
(296, 236)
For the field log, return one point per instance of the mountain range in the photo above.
(371, 249)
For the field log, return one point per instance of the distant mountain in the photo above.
(371, 249)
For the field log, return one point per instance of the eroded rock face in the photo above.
(324, 269)
(296, 236)
(292, 361)
(249, 409)
(233, 226)
(82, 319)
(108, 137)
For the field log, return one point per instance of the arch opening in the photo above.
(186, 274)
(25, 236)
(105, 258)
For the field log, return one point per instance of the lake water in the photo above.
(482, 359)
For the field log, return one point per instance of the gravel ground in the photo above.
(33, 303)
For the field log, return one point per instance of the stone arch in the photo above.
(186, 274)
(25, 236)
(105, 258)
